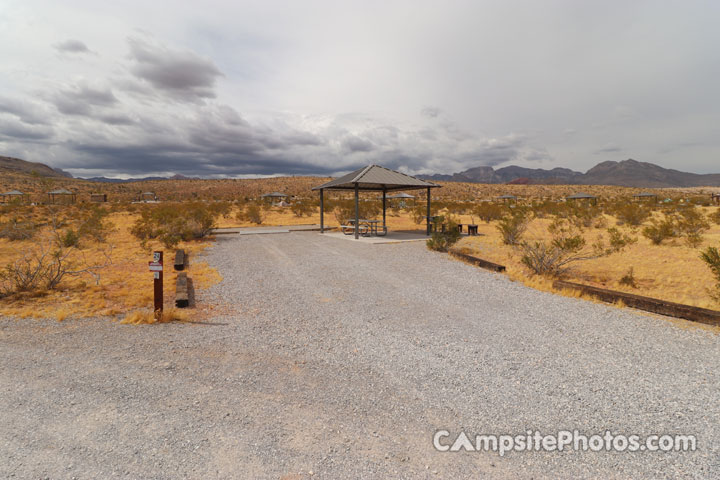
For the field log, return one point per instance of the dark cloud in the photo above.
(116, 119)
(25, 111)
(71, 46)
(80, 99)
(354, 144)
(11, 129)
(183, 75)
(608, 149)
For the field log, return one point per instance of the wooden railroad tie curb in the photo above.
(653, 305)
(182, 297)
(180, 260)
(479, 262)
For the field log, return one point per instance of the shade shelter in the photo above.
(15, 196)
(715, 197)
(98, 197)
(147, 197)
(507, 198)
(401, 197)
(645, 196)
(374, 178)
(65, 196)
(274, 197)
(582, 196)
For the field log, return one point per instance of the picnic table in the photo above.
(367, 228)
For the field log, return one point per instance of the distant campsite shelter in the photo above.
(148, 197)
(62, 196)
(507, 198)
(274, 197)
(582, 197)
(715, 197)
(646, 196)
(402, 198)
(98, 197)
(15, 196)
(374, 178)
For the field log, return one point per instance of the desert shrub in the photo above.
(711, 256)
(567, 246)
(619, 240)
(171, 224)
(442, 241)
(488, 211)
(47, 263)
(633, 213)
(420, 211)
(302, 208)
(70, 238)
(660, 230)
(16, 229)
(629, 278)
(512, 226)
(251, 212)
(715, 216)
(691, 224)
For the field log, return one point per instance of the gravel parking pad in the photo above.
(335, 359)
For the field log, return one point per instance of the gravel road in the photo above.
(333, 359)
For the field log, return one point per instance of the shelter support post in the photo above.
(428, 211)
(322, 211)
(384, 208)
(357, 211)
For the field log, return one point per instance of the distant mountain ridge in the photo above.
(626, 173)
(16, 165)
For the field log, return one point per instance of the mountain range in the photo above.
(627, 173)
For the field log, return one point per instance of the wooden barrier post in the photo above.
(156, 266)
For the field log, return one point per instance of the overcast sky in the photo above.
(134, 88)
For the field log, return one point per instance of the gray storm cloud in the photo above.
(251, 88)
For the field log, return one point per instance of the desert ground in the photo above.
(326, 358)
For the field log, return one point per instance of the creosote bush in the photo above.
(302, 208)
(442, 241)
(568, 246)
(171, 224)
(251, 212)
(711, 256)
(513, 226)
(487, 211)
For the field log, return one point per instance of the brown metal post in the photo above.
(322, 212)
(384, 200)
(428, 211)
(357, 211)
(158, 285)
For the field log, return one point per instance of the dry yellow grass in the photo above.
(671, 271)
(148, 317)
(125, 285)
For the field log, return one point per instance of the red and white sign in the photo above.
(155, 266)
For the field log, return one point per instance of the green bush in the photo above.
(487, 211)
(715, 216)
(442, 241)
(251, 212)
(632, 213)
(711, 256)
(302, 208)
(691, 224)
(513, 226)
(173, 223)
(16, 229)
(660, 230)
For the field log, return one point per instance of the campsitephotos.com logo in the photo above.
(535, 441)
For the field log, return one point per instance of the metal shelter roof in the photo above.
(507, 197)
(580, 195)
(645, 194)
(274, 194)
(61, 191)
(13, 192)
(375, 177)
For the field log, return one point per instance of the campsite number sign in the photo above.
(156, 266)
